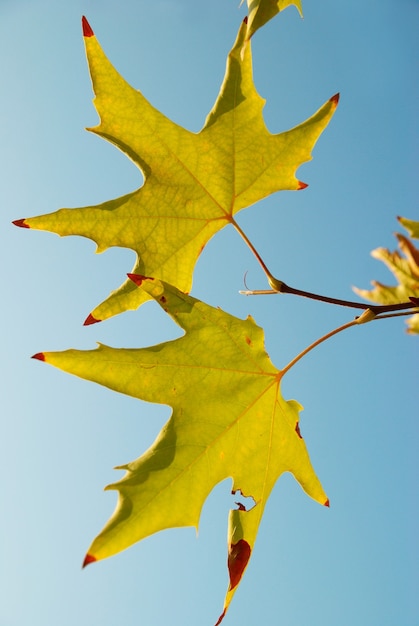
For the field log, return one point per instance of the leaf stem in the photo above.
(315, 344)
(278, 286)
(368, 315)
(255, 252)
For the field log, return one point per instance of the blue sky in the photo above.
(355, 563)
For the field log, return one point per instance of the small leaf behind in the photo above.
(405, 267)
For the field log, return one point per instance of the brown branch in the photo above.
(281, 287)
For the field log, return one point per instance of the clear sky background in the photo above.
(355, 563)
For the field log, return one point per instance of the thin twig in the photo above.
(400, 314)
(378, 309)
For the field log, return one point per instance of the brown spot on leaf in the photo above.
(40, 356)
(21, 223)
(163, 300)
(238, 557)
(89, 558)
(90, 320)
(87, 29)
(248, 341)
(297, 430)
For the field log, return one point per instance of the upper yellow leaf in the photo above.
(405, 268)
(229, 420)
(194, 184)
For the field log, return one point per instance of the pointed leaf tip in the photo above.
(327, 503)
(301, 185)
(87, 29)
(138, 278)
(89, 558)
(90, 320)
(335, 99)
(21, 223)
(40, 356)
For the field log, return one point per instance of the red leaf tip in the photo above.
(89, 558)
(21, 223)
(335, 99)
(87, 29)
(301, 185)
(220, 619)
(90, 320)
(39, 355)
(138, 278)
(327, 503)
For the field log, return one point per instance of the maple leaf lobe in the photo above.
(87, 29)
(21, 223)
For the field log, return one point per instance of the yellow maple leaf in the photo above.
(194, 183)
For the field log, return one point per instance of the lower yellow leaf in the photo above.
(229, 420)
